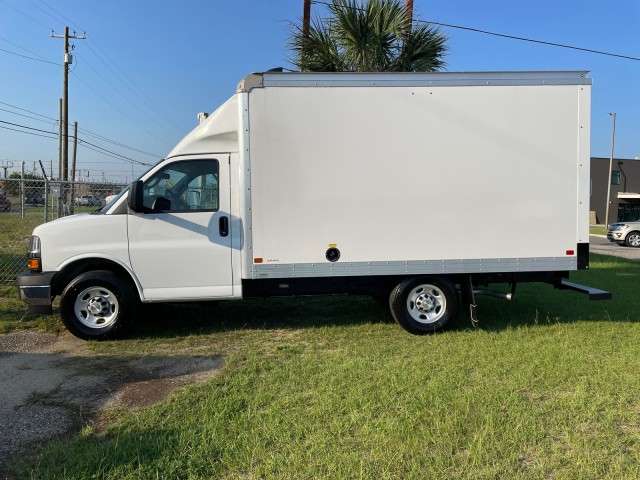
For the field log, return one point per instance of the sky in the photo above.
(147, 68)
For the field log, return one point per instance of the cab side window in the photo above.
(183, 186)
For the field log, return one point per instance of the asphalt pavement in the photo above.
(51, 385)
(600, 244)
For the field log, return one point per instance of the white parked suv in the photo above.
(625, 233)
(88, 201)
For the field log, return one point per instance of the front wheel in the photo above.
(97, 305)
(633, 240)
(425, 304)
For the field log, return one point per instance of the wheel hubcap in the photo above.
(426, 303)
(96, 307)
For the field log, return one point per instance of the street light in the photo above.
(613, 141)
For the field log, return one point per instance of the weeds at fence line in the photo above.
(27, 203)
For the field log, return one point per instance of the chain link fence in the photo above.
(27, 203)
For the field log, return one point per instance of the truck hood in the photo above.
(61, 224)
(83, 236)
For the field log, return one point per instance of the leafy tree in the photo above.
(372, 36)
(12, 186)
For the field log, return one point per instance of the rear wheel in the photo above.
(98, 305)
(425, 304)
(633, 240)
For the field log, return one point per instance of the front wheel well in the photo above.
(71, 271)
(632, 239)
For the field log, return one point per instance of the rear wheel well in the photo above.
(79, 267)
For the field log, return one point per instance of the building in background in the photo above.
(624, 201)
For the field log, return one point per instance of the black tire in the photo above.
(633, 240)
(98, 305)
(424, 304)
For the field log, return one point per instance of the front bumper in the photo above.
(35, 290)
(616, 236)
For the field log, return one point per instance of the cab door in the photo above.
(180, 246)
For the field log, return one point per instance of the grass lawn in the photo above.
(330, 388)
(598, 230)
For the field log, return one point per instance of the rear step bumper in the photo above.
(594, 293)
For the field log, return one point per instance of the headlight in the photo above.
(618, 226)
(33, 254)
(34, 244)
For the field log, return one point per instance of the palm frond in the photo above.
(367, 37)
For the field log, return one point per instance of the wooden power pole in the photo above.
(306, 21)
(64, 121)
(73, 165)
(408, 5)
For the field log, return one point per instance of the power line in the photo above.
(122, 94)
(26, 15)
(117, 109)
(46, 13)
(130, 85)
(113, 142)
(60, 15)
(24, 126)
(108, 153)
(512, 37)
(29, 133)
(26, 116)
(80, 142)
(531, 40)
(86, 131)
(84, 142)
(122, 76)
(22, 48)
(29, 111)
(147, 102)
(30, 58)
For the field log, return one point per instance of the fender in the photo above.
(96, 257)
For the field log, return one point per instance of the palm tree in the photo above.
(376, 36)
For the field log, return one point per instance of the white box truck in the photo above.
(424, 188)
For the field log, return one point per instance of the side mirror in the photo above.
(135, 199)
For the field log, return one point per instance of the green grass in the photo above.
(14, 316)
(598, 230)
(330, 388)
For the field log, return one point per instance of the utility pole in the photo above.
(73, 164)
(613, 142)
(59, 140)
(64, 121)
(306, 20)
(408, 6)
(64, 118)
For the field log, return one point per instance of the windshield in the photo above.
(112, 199)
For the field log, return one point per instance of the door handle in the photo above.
(223, 224)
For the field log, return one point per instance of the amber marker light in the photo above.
(257, 260)
(33, 264)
